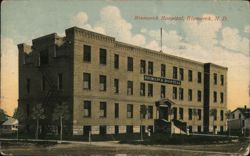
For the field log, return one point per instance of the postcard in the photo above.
(125, 77)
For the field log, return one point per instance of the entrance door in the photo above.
(163, 113)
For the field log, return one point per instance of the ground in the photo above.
(114, 148)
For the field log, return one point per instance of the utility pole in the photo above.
(161, 39)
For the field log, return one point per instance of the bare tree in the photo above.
(228, 115)
(61, 112)
(195, 114)
(143, 112)
(213, 113)
(20, 116)
(38, 114)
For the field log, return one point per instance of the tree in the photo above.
(38, 114)
(61, 112)
(213, 113)
(3, 116)
(228, 116)
(195, 114)
(143, 112)
(20, 116)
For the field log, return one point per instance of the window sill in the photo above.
(89, 62)
(102, 90)
(86, 89)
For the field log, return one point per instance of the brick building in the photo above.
(107, 85)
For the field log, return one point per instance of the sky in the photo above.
(206, 31)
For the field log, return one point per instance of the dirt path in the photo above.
(113, 148)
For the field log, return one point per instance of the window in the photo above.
(215, 96)
(190, 75)
(150, 90)
(190, 94)
(175, 72)
(239, 116)
(116, 129)
(150, 112)
(102, 80)
(199, 129)
(116, 84)
(143, 66)
(86, 81)
(163, 91)
(221, 129)
(181, 94)
(150, 68)
(24, 58)
(221, 115)
(44, 57)
(190, 114)
(215, 79)
(222, 80)
(86, 53)
(130, 64)
(87, 108)
(221, 97)
(199, 77)
(116, 61)
(130, 111)
(116, 110)
(175, 113)
(142, 89)
(190, 129)
(215, 115)
(163, 70)
(103, 56)
(199, 114)
(143, 111)
(56, 49)
(60, 81)
(129, 129)
(130, 88)
(43, 85)
(28, 85)
(103, 129)
(181, 74)
(199, 96)
(174, 92)
(181, 113)
(103, 109)
(86, 130)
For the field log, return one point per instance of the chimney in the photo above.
(245, 106)
(161, 39)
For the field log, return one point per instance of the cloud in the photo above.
(247, 29)
(111, 23)
(115, 25)
(203, 32)
(80, 19)
(233, 41)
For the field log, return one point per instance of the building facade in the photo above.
(239, 120)
(107, 84)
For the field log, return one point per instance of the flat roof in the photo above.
(149, 50)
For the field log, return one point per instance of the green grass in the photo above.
(162, 139)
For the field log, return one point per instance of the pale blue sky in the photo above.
(222, 42)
